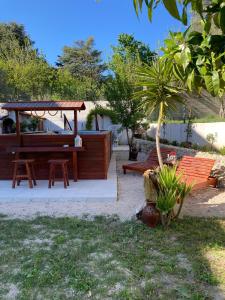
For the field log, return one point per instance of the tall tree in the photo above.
(159, 91)
(84, 62)
(119, 94)
(119, 90)
(129, 46)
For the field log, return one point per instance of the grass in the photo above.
(68, 258)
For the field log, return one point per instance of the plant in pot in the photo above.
(133, 152)
(165, 194)
(149, 215)
(171, 192)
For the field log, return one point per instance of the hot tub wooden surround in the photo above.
(93, 161)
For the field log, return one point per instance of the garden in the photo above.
(165, 236)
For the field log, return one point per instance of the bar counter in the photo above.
(92, 162)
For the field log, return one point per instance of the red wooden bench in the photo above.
(150, 163)
(195, 171)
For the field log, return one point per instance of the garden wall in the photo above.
(146, 146)
(199, 132)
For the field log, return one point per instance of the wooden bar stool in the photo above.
(58, 163)
(29, 174)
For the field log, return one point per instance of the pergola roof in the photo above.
(44, 105)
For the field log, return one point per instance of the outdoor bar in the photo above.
(91, 161)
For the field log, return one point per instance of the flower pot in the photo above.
(133, 155)
(212, 181)
(149, 215)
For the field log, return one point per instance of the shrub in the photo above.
(164, 141)
(222, 150)
(185, 144)
(174, 143)
(170, 191)
(102, 111)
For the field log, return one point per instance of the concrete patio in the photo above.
(83, 191)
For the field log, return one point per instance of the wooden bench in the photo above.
(195, 171)
(150, 163)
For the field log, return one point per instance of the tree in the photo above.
(120, 87)
(209, 11)
(85, 64)
(119, 94)
(199, 56)
(14, 31)
(159, 91)
(129, 47)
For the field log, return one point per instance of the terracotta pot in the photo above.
(212, 181)
(150, 215)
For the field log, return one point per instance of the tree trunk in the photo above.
(157, 137)
(96, 122)
(222, 108)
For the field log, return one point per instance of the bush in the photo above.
(102, 111)
(171, 190)
(175, 143)
(164, 141)
(151, 139)
(186, 144)
(222, 150)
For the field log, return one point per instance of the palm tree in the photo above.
(159, 91)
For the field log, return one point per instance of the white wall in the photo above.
(176, 132)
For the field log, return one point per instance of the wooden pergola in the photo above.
(44, 106)
(34, 106)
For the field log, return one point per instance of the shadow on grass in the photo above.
(128, 260)
(204, 242)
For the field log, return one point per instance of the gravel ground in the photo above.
(206, 203)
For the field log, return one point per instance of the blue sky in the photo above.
(55, 23)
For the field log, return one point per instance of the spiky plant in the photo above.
(159, 91)
(171, 191)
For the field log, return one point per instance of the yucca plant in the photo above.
(159, 91)
(171, 191)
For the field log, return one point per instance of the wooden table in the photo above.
(73, 150)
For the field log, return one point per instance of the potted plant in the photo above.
(133, 152)
(163, 191)
(213, 179)
(171, 192)
(149, 215)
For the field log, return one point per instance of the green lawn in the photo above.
(68, 258)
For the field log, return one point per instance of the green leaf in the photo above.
(222, 19)
(216, 82)
(136, 7)
(140, 4)
(212, 83)
(202, 70)
(207, 24)
(184, 16)
(171, 6)
(150, 8)
(216, 20)
(190, 80)
(223, 76)
(185, 57)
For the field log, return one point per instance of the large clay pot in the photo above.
(150, 215)
(212, 181)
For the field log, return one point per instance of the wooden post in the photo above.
(18, 133)
(75, 123)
